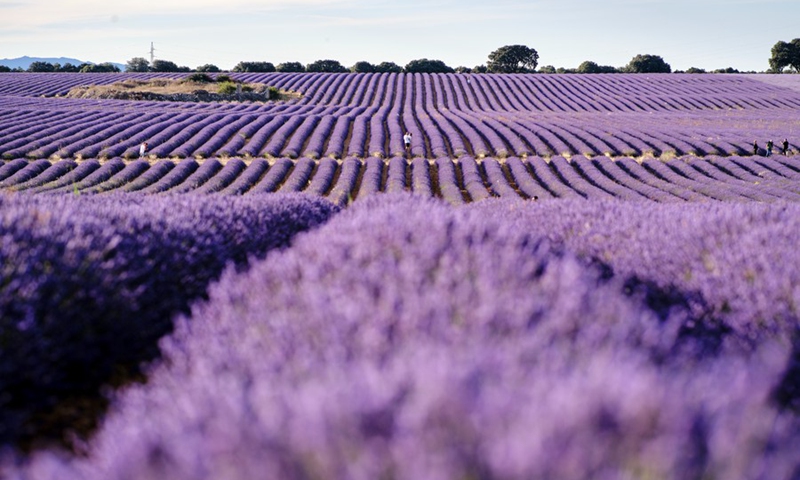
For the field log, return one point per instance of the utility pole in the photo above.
(152, 53)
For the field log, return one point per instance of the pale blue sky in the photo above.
(708, 34)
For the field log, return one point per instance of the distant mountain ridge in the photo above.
(25, 62)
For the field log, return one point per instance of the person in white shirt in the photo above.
(142, 149)
(407, 141)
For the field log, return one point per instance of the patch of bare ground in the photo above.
(183, 90)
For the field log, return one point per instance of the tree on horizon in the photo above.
(513, 59)
(648, 64)
(785, 54)
(137, 64)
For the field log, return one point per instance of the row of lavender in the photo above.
(89, 284)
(764, 179)
(366, 115)
(408, 339)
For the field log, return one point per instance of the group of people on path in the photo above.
(770, 146)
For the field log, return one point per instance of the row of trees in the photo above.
(67, 67)
(506, 59)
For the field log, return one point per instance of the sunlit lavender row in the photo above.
(406, 338)
(449, 115)
(89, 284)
(463, 180)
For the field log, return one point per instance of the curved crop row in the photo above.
(456, 180)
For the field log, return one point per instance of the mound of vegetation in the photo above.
(198, 87)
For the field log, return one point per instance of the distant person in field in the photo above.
(407, 141)
(769, 147)
(755, 147)
(785, 147)
(142, 149)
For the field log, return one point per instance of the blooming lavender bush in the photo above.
(736, 256)
(409, 339)
(52, 173)
(88, 284)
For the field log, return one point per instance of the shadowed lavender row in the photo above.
(409, 339)
(90, 283)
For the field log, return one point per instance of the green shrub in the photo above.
(226, 88)
(200, 78)
(224, 79)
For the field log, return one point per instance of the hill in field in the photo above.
(25, 62)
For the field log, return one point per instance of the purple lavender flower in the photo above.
(183, 170)
(448, 183)
(248, 178)
(52, 173)
(471, 342)
(95, 280)
(342, 191)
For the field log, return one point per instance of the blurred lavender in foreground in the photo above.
(409, 339)
(89, 284)
(739, 261)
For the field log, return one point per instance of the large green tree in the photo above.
(291, 67)
(68, 67)
(331, 66)
(592, 67)
(648, 64)
(164, 66)
(105, 67)
(254, 67)
(513, 59)
(362, 67)
(41, 67)
(423, 65)
(208, 68)
(388, 67)
(785, 54)
(137, 64)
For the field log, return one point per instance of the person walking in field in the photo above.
(785, 146)
(769, 147)
(755, 147)
(142, 149)
(407, 141)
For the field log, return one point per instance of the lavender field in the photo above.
(449, 115)
(570, 276)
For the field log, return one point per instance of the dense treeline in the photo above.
(43, 67)
(506, 59)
